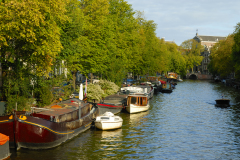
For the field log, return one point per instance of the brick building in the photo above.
(207, 42)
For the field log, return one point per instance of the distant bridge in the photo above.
(196, 75)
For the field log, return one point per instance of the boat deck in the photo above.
(116, 99)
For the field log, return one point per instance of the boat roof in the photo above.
(137, 95)
(143, 86)
(136, 86)
(116, 97)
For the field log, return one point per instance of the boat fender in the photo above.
(22, 117)
(56, 119)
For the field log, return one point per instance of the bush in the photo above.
(44, 96)
(101, 89)
(22, 103)
(94, 92)
(108, 87)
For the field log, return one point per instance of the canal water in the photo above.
(184, 124)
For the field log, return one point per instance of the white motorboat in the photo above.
(137, 103)
(108, 121)
(180, 80)
(139, 89)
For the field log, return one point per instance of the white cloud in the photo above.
(178, 20)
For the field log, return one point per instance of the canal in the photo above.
(184, 124)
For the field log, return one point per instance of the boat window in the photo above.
(104, 117)
(133, 100)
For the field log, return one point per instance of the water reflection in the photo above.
(137, 119)
(109, 143)
(110, 139)
(110, 135)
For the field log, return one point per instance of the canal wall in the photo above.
(204, 76)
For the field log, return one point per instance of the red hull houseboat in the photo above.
(48, 127)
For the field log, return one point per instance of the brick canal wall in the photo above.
(204, 76)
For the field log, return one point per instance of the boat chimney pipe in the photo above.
(79, 111)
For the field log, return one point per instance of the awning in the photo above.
(3, 139)
(163, 82)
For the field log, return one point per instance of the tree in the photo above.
(124, 51)
(147, 45)
(177, 61)
(192, 53)
(96, 36)
(29, 40)
(236, 51)
(71, 35)
(221, 57)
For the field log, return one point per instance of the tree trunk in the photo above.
(74, 80)
(91, 78)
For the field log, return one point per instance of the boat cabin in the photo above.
(139, 100)
(166, 86)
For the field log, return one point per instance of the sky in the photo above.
(180, 20)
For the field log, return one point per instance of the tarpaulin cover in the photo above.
(130, 80)
(163, 82)
(3, 139)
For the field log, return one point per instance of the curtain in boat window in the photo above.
(144, 101)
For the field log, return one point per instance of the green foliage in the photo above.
(96, 36)
(211, 67)
(31, 34)
(101, 89)
(221, 57)
(116, 72)
(44, 96)
(108, 87)
(71, 33)
(177, 61)
(17, 88)
(192, 53)
(48, 90)
(19, 102)
(94, 92)
(236, 51)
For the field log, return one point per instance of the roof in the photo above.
(209, 38)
